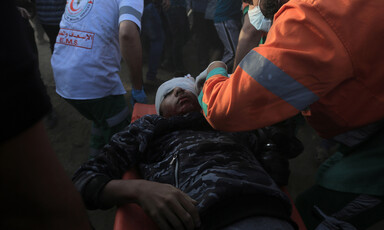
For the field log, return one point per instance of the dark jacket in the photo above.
(217, 169)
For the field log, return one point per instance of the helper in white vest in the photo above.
(94, 36)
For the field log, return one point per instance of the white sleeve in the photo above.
(131, 10)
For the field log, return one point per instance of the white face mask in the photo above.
(258, 20)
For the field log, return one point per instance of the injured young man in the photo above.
(194, 177)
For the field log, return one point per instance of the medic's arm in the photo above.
(301, 61)
(249, 38)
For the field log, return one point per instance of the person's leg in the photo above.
(214, 42)
(109, 115)
(179, 27)
(39, 31)
(167, 63)
(51, 118)
(202, 39)
(260, 223)
(220, 28)
(228, 32)
(153, 29)
(52, 31)
(359, 210)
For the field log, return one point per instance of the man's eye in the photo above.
(167, 94)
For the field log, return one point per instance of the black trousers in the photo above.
(52, 31)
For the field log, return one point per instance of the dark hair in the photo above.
(270, 7)
(250, 2)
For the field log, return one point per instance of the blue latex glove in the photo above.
(138, 96)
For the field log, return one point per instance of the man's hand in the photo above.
(24, 13)
(200, 80)
(169, 207)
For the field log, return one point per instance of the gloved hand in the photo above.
(200, 79)
(138, 96)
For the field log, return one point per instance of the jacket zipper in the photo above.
(176, 161)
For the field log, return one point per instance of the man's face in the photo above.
(178, 102)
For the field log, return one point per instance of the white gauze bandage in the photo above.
(186, 83)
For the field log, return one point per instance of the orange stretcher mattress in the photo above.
(132, 216)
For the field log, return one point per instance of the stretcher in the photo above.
(132, 217)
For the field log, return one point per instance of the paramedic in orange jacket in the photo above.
(324, 57)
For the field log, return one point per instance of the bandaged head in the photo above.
(186, 83)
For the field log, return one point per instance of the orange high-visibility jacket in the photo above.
(325, 55)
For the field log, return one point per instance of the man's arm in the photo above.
(130, 48)
(99, 180)
(275, 81)
(35, 191)
(131, 51)
(248, 39)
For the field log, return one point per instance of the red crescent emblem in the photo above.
(71, 6)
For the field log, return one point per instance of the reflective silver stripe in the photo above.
(177, 172)
(276, 81)
(332, 223)
(130, 10)
(112, 121)
(361, 204)
(338, 220)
